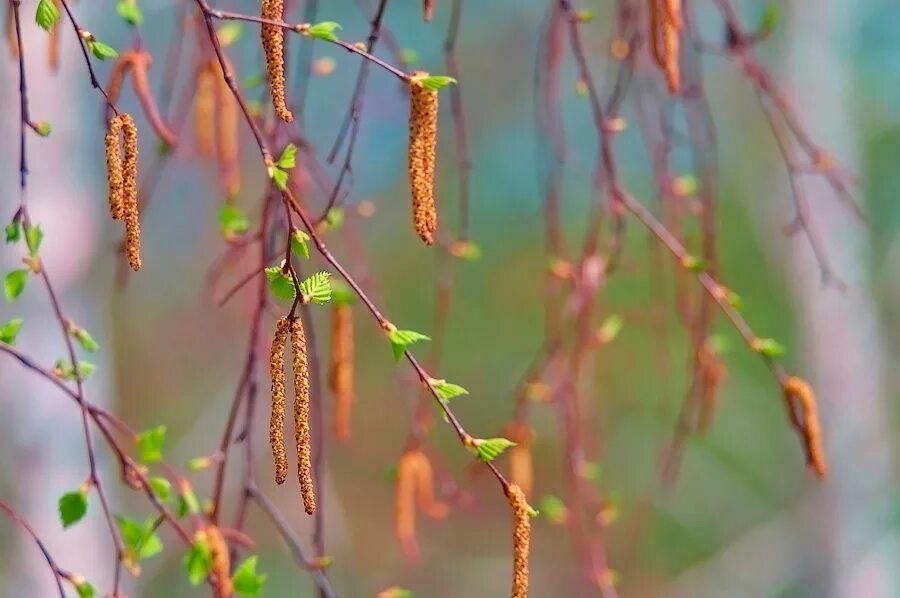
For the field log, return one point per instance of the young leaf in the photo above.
(693, 263)
(102, 51)
(324, 30)
(279, 177)
(130, 11)
(489, 449)
(85, 339)
(84, 589)
(187, 503)
(43, 128)
(150, 444)
(198, 562)
(554, 509)
(247, 581)
(14, 284)
(436, 82)
(445, 390)
(10, 330)
(768, 347)
(334, 219)
(341, 294)
(299, 247)
(162, 488)
(288, 158)
(140, 539)
(233, 221)
(610, 328)
(85, 370)
(72, 507)
(400, 339)
(12, 231)
(47, 14)
(316, 288)
(229, 33)
(281, 284)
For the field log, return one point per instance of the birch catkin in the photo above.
(301, 416)
(665, 25)
(276, 423)
(520, 462)
(423, 115)
(140, 77)
(424, 477)
(521, 540)
(798, 389)
(114, 173)
(341, 376)
(121, 178)
(405, 505)
(273, 46)
(220, 563)
(227, 121)
(205, 108)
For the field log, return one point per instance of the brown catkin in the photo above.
(117, 76)
(521, 540)
(140, 77)
(227, 135)
(114, 174)
(405, 505)
(276, 423)
(521, 469)
(220, 563)
(423, 120)
(712, 373)
(427, 10)
(205, 109)
(273, 45)
(671, 45)
(424, 476)
(129, 193)
(798, 389)
(341, 375)
(301, 416)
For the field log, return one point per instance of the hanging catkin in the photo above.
(520, 462)
(423, 115)
(114, 174)
(301, 416)
(220, 563)
(798, 389)
(205, 109)
(665, 25)
(121, 178)
(341, 375)
(227, 127)
(521, 540)
(53, 44)
(273, 45)
(11, 32)
(276, 423)
(117, 76)
(405, 505)
(140, 77)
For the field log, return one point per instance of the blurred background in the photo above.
(744, 517)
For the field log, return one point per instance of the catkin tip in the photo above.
(797, 389)
(276, 423)
(521, 540)
(301, 416)
(423, 120)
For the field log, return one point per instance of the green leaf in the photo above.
(140, 539)
(47, 14)
(299, 246)
(10, 330)
(150, 444)
(281, 284)
(554, 509)
(768, 347)
(341, 294)
(334, 218)
(324, 30)
(229, 33)
(400, 339)
(130, 11)
(162, 488)
(102, 51)
(317, 288)
(85, 339)
(84, 589)
(445, 390)
(64, 369)
(33, 237)
(610, 328)
(247, 581)
(436, 82)
(72, 507)
(12, 231)
(770, 19)
(233, 221)
(43, 128)
(279, 177)
(489, 449)
(187, 503)
(198, 562)
(288, 158)
(86, 369)
(14, 284)
(199, 463)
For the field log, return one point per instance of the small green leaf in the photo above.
(247, 581)
(102, 51)
(86, 369)
(199, 463)
(554, 509)
(334, 218)
(768, 347)
(610, 328)
(279, 177)
(489, 449)
(14, 284)
(324, 30)
(85, 339)
(400, 339)
(299, 246)
(140, 539)
(341, 294)
(10, 330)
(770, 19)
(436, 82)
(150, 444)
(33, 237)
(281, 284)
(162, 488)
(693, 263)
(288, 158)
(445, 390)
(130, 11)
(84, 589)
(12, 231)
(187, 503)
(316, 288)
(734, 300)
(229, 33)
(43, 128)
(72, 507)
(233, 221)
(198, 562)
(64, 369)
(47, 14)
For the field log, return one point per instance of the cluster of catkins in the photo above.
(121, 178)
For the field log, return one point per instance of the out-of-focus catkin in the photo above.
(798, 389)
(220, 563)
(712, 373)
(521, 540)
(140, 77)
(11, 31)
(276, 423)
(424, 475)
(341, 375)
(427, 10)
(423, 121)
(521, 469)
(205, 109)
(301, 416)
(415, 486)
(121, 178)
(117, 76)
(227, 135)
(665, 25)
(273, 46)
